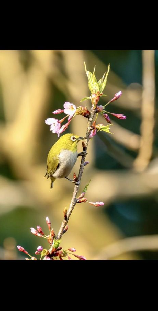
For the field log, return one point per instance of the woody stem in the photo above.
(81, 169)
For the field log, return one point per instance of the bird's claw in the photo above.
(83, 153)
(73, 181)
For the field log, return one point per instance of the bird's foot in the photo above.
(70, 179)
(83, 153)
(73, 181)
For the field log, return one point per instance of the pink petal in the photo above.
(50, 121)
(69, 108)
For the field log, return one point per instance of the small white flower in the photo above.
(54, 125)
(69, 109)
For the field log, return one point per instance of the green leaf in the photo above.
(102, 82)
(85, 98)
(86, 187)
(44, 252)
(103, 128)
(56, 243)
(64, 254)
(92, 81)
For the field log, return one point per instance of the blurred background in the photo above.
(123, 167)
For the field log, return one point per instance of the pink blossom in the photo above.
(69, 109)
(54, 125)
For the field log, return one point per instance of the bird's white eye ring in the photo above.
(73, 138)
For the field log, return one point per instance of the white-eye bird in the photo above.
(62, 157)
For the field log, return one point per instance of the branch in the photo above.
(81, 169)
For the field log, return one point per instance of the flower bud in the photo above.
(75, 177)
(80, 257)
(99, 108)
(35, 232)
(116, 96)
(58, 111)
(48, 223)
(81, 195)
(119, 116)
(22, 249)
(93, 133)
(39, 248)
(37, 253)
(82, 200)
(72, 249)
(96, 203)
(105, 115)
(39, 229)
(52, 233)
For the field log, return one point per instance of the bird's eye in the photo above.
(73, 138)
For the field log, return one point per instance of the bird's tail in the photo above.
(52, 180)
(51, 177)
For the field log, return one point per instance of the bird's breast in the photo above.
(67, 160)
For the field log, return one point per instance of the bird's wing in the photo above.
(52, 164)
